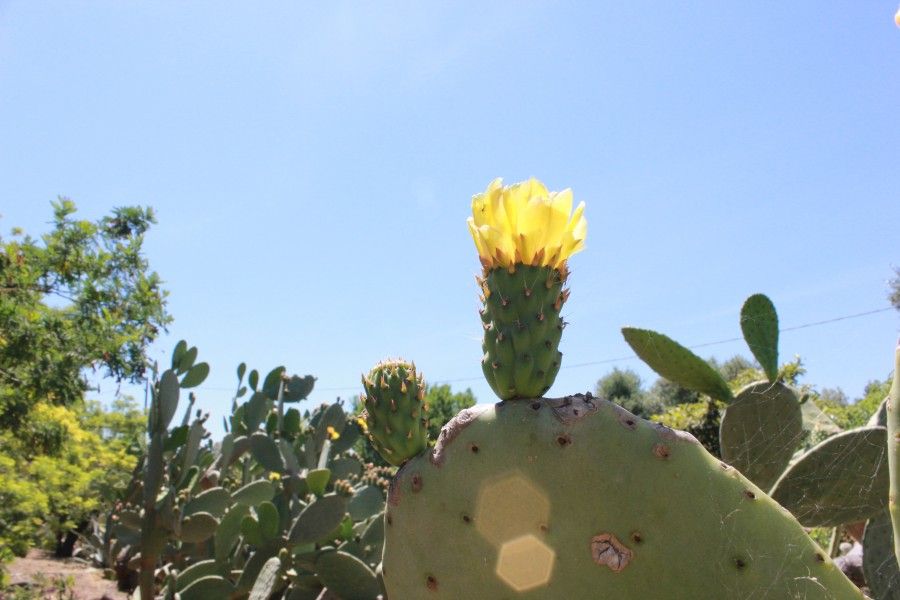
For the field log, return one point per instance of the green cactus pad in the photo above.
(759, 323)
(298, 388)
(841, 480)
(317, 480)
(367, 501)
(251, 532)
(345, 467)
(879, 562)
(166, 402)
(346, 576)
(268, 579)
(576, 498)
(254, 492)
(196, 375)
(269, 521)
(211, 587)
(228, 531)
(198, 527)
(522, 329)
(676, 363)
(318, 519)
(204, 568)
(761, 430)
(349, 435)
(265, 451)
(214, 501)
(395, 410)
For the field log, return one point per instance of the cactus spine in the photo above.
(396, 417)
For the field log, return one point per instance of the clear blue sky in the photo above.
(312, 166)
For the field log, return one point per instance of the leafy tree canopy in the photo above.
(79, 297)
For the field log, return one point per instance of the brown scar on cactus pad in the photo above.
(606, 549)
(451, 431)
(602, 515)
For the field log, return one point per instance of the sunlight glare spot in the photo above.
(525, 563)
(510, 508)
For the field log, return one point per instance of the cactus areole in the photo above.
(524, 236)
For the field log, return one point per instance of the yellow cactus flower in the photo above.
(526, 224)
(273, 476)
(364, 427)
(332, 434)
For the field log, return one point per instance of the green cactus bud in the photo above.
(395, 410)
(522, 329)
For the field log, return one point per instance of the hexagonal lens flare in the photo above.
(525, 563)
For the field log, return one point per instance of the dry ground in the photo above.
(89, 583)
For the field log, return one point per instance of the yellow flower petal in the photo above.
(525, 224)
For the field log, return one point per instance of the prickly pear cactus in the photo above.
(524, 236)
(577, 498)
(395, 410)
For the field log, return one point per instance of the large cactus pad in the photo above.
(577, 498)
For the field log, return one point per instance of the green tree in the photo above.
(443, 404)
(848, 415)
(623, 386)
(672, 394)
(81, 297)
(77, 299)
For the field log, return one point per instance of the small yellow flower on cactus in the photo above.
(332, 433)
(361, 421)
(524, 235)
(273, 476)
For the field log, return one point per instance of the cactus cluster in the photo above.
(534, 497)
(837, 482)
(577, 498)
(282, 507)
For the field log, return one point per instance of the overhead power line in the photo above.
(605, 361)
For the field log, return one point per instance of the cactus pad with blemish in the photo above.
(522, 329)
(396, 417)
(577, 498)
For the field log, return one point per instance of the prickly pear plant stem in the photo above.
(148, 521)
(893, 425)
(280, 407)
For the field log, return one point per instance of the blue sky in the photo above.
(312, 164)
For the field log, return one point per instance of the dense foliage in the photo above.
(78, 460)
(79, 299)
